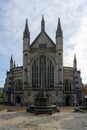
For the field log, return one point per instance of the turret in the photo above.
(75, 62)
(42, 24)
(59, 56)
(59, 36)
(26, 54)
(11, 62)
(26, 37)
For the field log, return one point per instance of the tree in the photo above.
(85, 89)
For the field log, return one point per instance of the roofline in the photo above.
(39, 35)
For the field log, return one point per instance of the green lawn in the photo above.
(85, 110)
(1, 110)
(1, 100)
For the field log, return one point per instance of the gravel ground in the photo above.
(29, 121)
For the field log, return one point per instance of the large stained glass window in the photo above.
(50, 73)
(42, 72)
(35, 74)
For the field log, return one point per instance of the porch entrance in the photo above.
(68, 101)
(18, 101)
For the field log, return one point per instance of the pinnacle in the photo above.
(59, 30)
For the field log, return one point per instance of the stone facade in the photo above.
(43, 70)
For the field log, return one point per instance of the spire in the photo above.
(75, 62)
(59, 32)
(42, 24)
(11, 62)
(26, 33)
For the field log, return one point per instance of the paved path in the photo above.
(57, 121)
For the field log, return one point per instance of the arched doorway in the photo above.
(18, 101)
(68, 101)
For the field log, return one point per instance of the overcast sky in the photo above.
(73, 15)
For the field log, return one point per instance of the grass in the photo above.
(1, 100)
(1, 110)
(85, 110)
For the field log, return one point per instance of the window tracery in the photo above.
(18, 85)
(42, 72)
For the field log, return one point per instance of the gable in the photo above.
(42, 41)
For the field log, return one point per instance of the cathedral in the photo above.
(43, 69)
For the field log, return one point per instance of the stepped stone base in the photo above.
(43, 109)
(42, 104)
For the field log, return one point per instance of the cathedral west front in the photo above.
(43, 69)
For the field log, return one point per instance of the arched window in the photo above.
(50, 74)
(67, 85)
(42, 72)
(35, 74)
(18, 85)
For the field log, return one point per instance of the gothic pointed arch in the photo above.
(35, 73)
(18, 85)
(18, 99)
(67, 85)
(42, 72)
